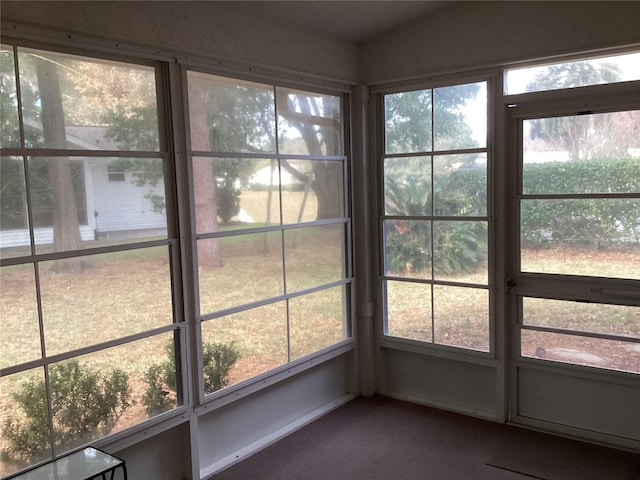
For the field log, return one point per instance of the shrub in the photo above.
(589, 222)
(84, 404)
(460, 246)
(218, 360)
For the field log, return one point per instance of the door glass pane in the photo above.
(460, 185)
(82, 103)
(409, 310)
(111, 295)
(595, 237)
(230, 115)
(594, 352)
(581, 73)
(407, 186)
(586, 317)
(240, 269)
(597, 153)
(460, 250)
(460, 116)
(461, 317)
(255, 339)
(314, 256)
(9, 127)
(407, 249)
(408, 122)
(311, 190)
(308, 123)
(316, 321)
(20, 340)
(25, 428)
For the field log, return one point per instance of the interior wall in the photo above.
(212, 29)
(163, 456)
(475, 34)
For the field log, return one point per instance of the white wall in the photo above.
(212, 29)
(471, 34)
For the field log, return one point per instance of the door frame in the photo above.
(585, 402)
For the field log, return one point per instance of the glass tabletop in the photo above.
(80, 465)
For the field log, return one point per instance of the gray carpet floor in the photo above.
(381, 438)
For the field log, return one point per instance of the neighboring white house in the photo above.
(115, 205)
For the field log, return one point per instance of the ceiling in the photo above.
(354, 21)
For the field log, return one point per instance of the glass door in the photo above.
(576, 281)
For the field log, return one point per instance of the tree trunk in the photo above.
(204, 181)
(66, 228)
(325, 182)
(328, 189)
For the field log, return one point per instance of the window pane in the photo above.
(25, 428)
(407, 186)
(230, 115)
(247, 191)
(75, 206)
(409, 310)
(461, 317)
(20, 341)
(110, 390)
(460, 116)
(594, 71)
(232, 193)
(72, 102)
(132, 209)
(250, 269)
(408, 122)
(311, 190)
(460, 251)
(88, 300)
(598, 237)
(14, 225)
(257, 336)
(594, 352)
(460, 185)
(408, 248)
(597, 153)
(314, 256)
(316, 321)
(9, 127)
(308, 123)
(587, 317)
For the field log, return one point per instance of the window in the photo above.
(115, 172)
(271, 224)
(91, 320)
(580, 73)
(434, 220)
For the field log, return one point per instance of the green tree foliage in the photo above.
(160, 396)
(584, 137)
(459, 246)
(85, 404)
(457, 188)
(408, 119)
